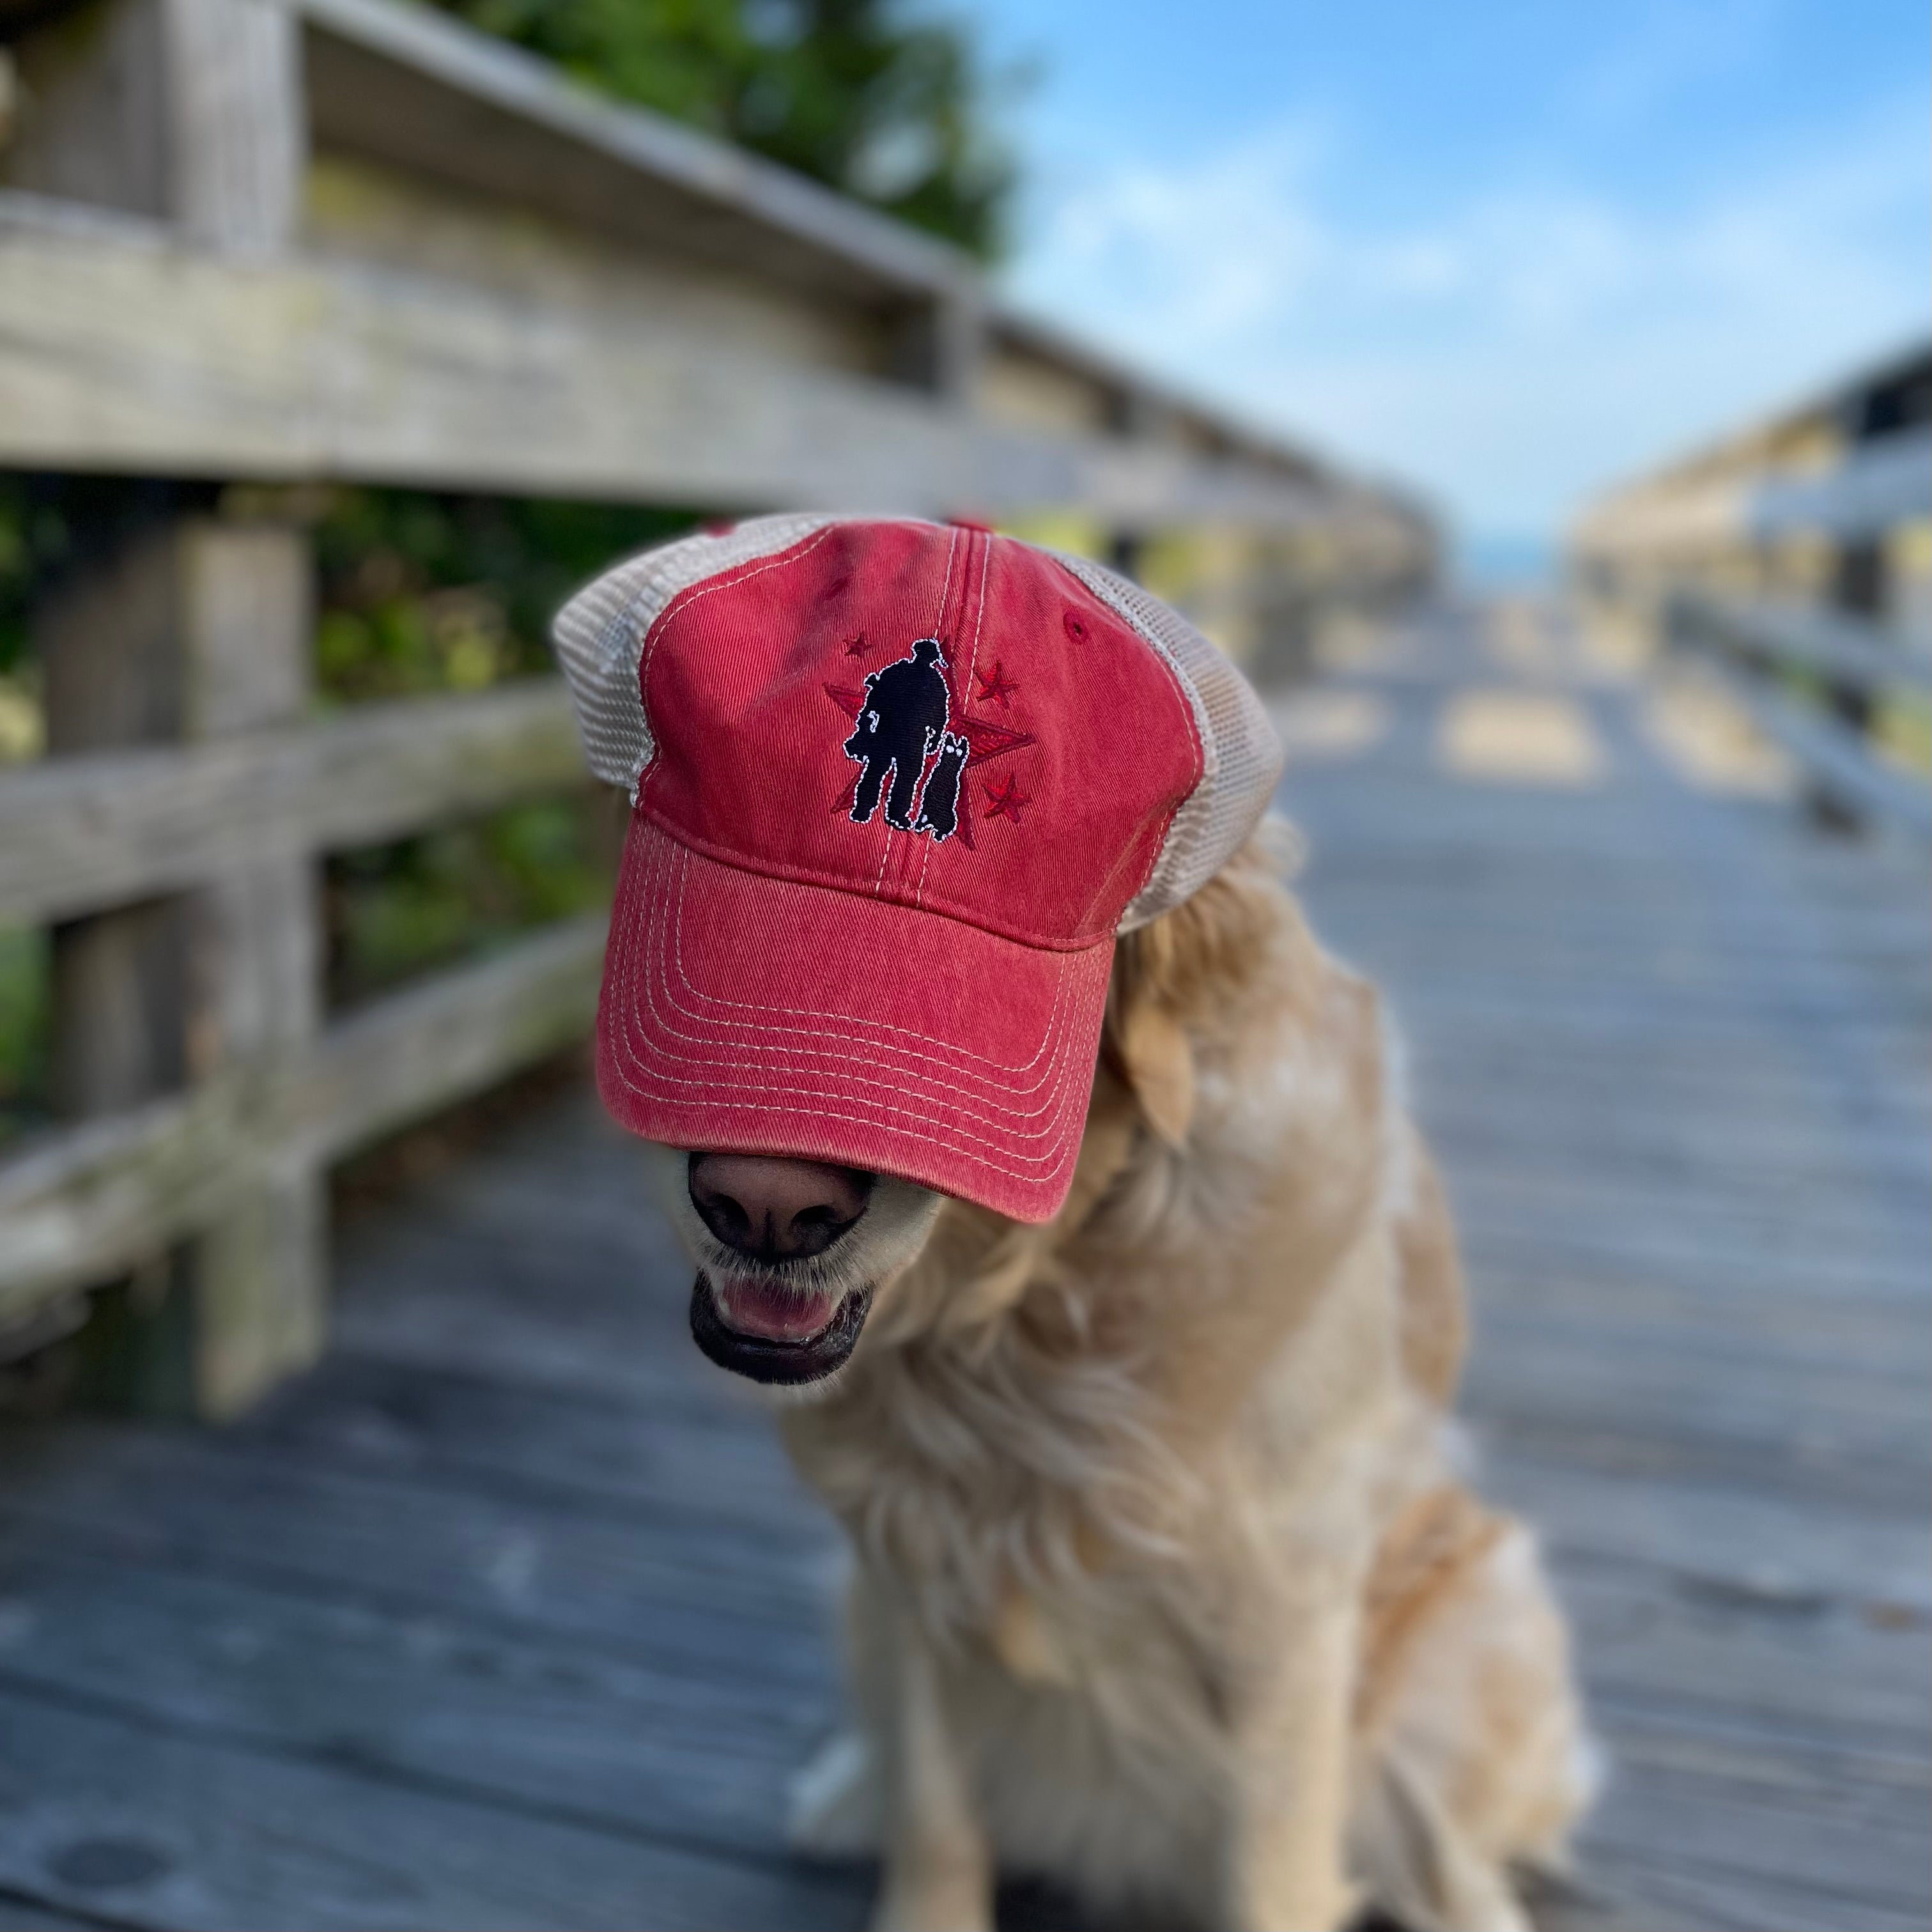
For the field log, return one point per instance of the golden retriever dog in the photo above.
(1165, 1585)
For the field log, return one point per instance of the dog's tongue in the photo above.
(778, 1314)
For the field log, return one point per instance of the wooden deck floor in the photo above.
(512, 1616)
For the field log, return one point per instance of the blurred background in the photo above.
(1536, 402)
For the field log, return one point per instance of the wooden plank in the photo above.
(1827, 1672)
(1668, 1385)
(625, 1743)
(616, 1741)
(19, 1913)
(1779, 1323)
(250, 1841)
(118, 351)
(433, 1300)
(1718, 1535)
(666, 1441)
(670, 1581)
(75, 1208)
(89, 832)
(1655, 1889)
(1856, 1224)
(1790, 1842)
(1723, 1142)
(1522, 1243)
(1579, 1389)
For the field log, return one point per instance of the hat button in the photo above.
(970, 524)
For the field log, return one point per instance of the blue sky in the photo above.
(1507, 252)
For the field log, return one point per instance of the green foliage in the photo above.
(395, 911)
(23, 1027)
(16, 572)
(422, 592)
(892, 109)
(52, 524)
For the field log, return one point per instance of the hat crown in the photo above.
(928, 714)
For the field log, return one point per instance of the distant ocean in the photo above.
(1501, 561)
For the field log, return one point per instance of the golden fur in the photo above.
(1164, 1584)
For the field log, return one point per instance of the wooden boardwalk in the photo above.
(510, 1616)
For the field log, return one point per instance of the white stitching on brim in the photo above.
(1008, 1119)
(1073, 1075)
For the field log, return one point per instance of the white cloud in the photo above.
(1518, 350)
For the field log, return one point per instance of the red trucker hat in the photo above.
(897, 786)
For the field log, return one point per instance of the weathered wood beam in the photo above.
(1879, 485)
(87, 1202)
(1838, 759)
(188, 110)
(412, 86)
(1884, 482)
(121, 350)
(89, 832)
(501, 98)
(258, 1276)
(191, 111)
(1844, 649)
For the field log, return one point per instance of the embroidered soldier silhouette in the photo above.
(902, 721)
(939, 803)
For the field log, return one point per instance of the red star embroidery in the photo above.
(1007, 799)
(986, 740)
(856, 646)
(996, 684)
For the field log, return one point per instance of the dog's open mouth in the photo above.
(772, 1333)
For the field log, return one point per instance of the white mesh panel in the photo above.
(600, 633)
(1242, 755)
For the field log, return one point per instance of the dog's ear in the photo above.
(1159, 1065)
(1176, 980)
(1145, 1036)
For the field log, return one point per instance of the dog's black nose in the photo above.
(772, 1210)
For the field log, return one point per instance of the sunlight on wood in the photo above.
(1323, 724)
(1615, 642)
(1708, 742)
(1517, 638)
(1513, 737)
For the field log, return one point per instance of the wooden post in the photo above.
(190, 110)
(193, 627)
(940, 345)
(188, 626)
(259, 1275)
(107, 641)
(1858, 587)
(1129, 415)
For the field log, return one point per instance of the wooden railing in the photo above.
(349, 239)
(1774, 561)
(233, 1162)
(1815, 682)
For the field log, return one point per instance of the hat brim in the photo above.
(748, 1014)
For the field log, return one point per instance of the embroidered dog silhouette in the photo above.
(901, 722)
(939, 803)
